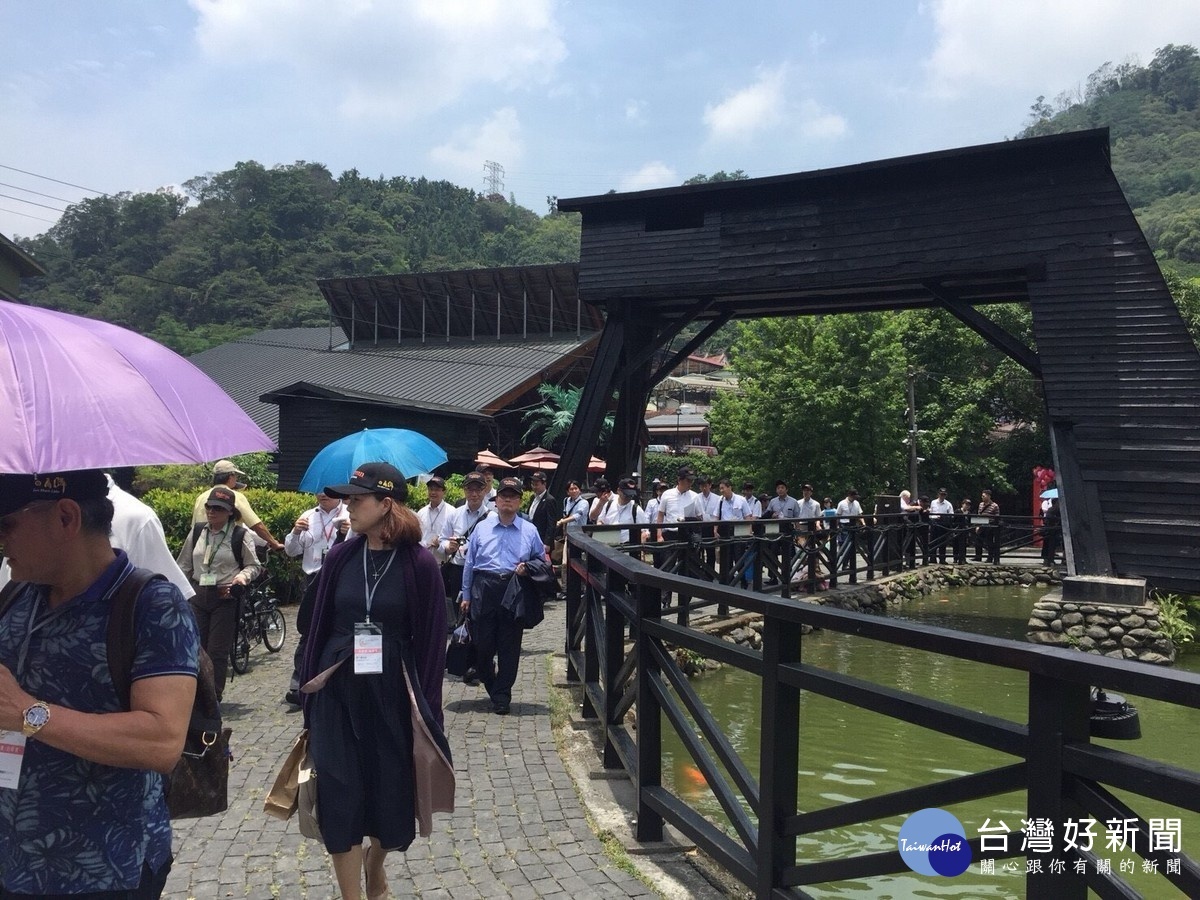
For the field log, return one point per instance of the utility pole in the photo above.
(912, 433)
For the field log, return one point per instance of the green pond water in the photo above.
(848, 754)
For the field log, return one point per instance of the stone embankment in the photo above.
(1118, 630)
(1122, 632)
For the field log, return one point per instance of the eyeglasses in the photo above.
(9, 522)
(214, 508)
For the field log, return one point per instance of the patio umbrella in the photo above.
(537, 454)
(488, 458)
(78, 393)
(409, 451)
(541, 465)
(595, 464)
(1050, 493)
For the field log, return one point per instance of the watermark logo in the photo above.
(933, 842)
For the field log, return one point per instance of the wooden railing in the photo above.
(610, 595)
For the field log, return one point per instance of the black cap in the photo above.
(629, 487)
(806, 487)
(941, 490)
(17, 491)
(379, 478)
(510, 484)
(475, 478)
(437, 481)
(852, 493)
(538, 476)
(601, 484)
(684, 472)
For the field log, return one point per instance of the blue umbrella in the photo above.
(1050, 493)
(409, 451)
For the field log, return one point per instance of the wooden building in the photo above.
(1040, 221)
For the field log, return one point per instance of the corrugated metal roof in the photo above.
(465, 377)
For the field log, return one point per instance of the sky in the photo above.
(570, 97)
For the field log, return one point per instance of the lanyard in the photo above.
(369, 589)
(209, 550)
(433, 520)
(328, 523)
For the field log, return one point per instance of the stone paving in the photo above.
(519, 830)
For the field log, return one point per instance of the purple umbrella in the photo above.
(77, 393)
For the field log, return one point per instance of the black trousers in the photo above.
(303, 620)
(216, 619)
(496, 635)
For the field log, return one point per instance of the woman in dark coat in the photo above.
(380, 613)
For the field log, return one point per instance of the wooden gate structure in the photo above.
(1041, 221)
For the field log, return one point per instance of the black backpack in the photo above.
(190, 791)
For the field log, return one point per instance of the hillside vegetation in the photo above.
(241, 250)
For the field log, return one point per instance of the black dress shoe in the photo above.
(292, 697)
(501, 708)
(471, 677)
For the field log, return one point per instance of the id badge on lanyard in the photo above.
(368, 649)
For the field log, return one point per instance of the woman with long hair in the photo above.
(379, 619)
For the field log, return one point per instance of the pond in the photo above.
(848, 754)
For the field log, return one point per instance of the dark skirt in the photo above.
(360, 737)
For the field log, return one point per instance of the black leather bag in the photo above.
(460, 652)
(199, 784)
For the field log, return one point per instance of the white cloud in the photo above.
(755, 108)
(635, 110)
(1044, 47)
(818, 123)
(652, 175)
(387, 59)
(499, 138)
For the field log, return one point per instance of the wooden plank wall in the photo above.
(1119, 368)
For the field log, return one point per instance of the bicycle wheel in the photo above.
(240, 657)
(274, 629)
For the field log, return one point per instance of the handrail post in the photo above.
(835, 532)
(614, 656)
(787, 552)
(572, 585)
(1058, 715)
(851, 551)
(812, 553)
(649, 717)
(686, 568)
(593, 655)
(779, 754)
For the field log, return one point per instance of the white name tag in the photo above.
(368, 653)
(208, 579)
(12, 755)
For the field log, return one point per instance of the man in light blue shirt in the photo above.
(496, 553)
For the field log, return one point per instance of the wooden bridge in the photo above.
(1041, 221)
(1049, 758)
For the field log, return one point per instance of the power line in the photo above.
(17, 187)
(31, 202)
(55, 180)
(26, 215)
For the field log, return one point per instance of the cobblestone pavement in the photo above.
(519, 830)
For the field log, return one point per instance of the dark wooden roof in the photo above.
(471, 303)
(464, 378)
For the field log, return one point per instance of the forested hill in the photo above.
(1153, 113)
(241, 250)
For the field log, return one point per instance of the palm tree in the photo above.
(552, 420)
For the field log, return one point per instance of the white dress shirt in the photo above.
(314, 542)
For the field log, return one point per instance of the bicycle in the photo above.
(259, 622)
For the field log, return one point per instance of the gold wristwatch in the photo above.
(35, 719)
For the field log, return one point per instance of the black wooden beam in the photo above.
(1084, 537)
(589, 416)
(989, 330)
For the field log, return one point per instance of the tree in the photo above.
(550, 422)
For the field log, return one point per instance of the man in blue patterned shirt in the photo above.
(85, 815)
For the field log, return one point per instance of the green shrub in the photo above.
(197, 477)
(1177, 615)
